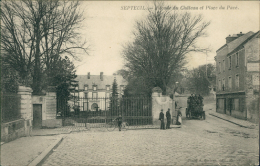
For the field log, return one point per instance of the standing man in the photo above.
(161, 118)
(119, 122)
(168, 117)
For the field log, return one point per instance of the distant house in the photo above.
(237, 76)
(92, 92)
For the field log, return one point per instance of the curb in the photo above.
(38, 160)
(250, 127)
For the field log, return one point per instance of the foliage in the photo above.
(37, 34)
(114, 89)
(61, 78)
(161, 42)
(114, 100)
(9, 79)
(199, 81)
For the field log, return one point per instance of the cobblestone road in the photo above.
(199, 142)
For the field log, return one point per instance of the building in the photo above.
(237, 76)
(92, 92)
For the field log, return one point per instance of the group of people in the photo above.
(168, 118)
(194, 100)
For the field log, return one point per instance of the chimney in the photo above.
(114, 74)
(230, 39)
(240, 34)
(101, 76)
(88, 75)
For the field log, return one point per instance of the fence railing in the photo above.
(11, 104)
(135, 111)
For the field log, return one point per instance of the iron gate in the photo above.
(96, 112)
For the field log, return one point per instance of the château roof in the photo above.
(96, 80)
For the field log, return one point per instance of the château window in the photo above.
(85, 87)
(107, 95)
(94, 95)
(108, 87)
(86, 94)
(95, 87)
(77, 88)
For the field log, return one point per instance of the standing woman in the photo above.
(179, 115)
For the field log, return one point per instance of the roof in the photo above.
(237, 42)
(95, 80)
(221, 47)
(243, 43)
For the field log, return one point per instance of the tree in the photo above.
(135, 85)
(114, 101)
(36, 34)
(161, 42)
(64, 74)
(199, 82)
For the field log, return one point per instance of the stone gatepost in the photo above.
(26, 107)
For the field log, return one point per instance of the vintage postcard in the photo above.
(129, 82)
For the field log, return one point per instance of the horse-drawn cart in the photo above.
(195, 108)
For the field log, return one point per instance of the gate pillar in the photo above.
(26, 107)
(160, 102)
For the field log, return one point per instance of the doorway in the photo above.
(37, 115)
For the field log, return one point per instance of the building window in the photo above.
(224, 65)
(219, 84)
(237, 81)
(94, 96)
(108, 87)
(95, 87)
(237, 59)
(229, 83)
(219, 67)
(223, 84)
(229, 62)
(85, 87)
(255, 79)
(86, 94)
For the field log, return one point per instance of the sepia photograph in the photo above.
(129, 83)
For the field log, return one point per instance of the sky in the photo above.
(108, 25)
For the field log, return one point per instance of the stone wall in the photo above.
(252, 97)
(21, 127)
(49, 106)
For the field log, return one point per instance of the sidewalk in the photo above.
(239, 122)
(32, 150)
(243, 123)
(25, 150)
